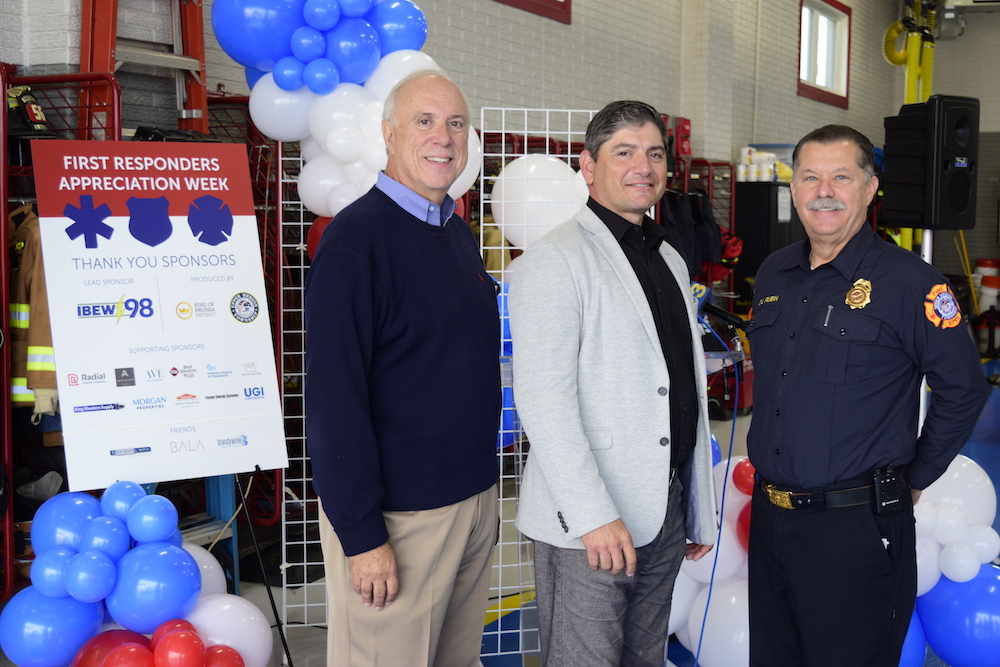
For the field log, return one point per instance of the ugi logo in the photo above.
(253, 393)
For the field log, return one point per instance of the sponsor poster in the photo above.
(162, 338)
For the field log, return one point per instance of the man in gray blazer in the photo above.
(610, 385)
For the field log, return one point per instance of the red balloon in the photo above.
(743, 476)
(314, 234)
(93, 653)
(168, 626)
(180, 648)
(743, 526)
(223, 656)
(462, 207)
(129, 654)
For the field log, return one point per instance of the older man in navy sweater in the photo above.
(403, 400)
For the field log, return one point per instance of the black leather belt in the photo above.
(860, 494)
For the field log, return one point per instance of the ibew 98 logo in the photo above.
(127, 308)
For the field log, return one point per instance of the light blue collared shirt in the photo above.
(414, 204)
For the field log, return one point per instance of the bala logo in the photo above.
(253, 393)
(179, 446)
(125, 377)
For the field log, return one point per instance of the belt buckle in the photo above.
(779, 498)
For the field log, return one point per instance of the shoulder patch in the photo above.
(941, 307)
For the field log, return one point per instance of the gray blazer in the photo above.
(592, 391)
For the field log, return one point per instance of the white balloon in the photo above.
(925, 516)
(967, 485)
(736, 500)
(213, 577)
(395, 67)
(470, 174)
(580, 187)
(344, 143)
(685, 591)
(373, 154)
(683, 636)
(531, 195)
(341, 196)
(368, 182)
(729, 553)
(235, 622)
(309, 149)
(951, 524)
(928, 564)
(726, 640)
(370, 119)
(340, 108)
(355, 171)
(959, 562)
(317, 178)
(282, 115)
(984, 540)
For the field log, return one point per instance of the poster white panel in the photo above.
(163, 346)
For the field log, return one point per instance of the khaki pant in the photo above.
(443, 558)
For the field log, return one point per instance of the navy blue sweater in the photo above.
(403, 383)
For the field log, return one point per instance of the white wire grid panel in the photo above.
(507, 134)
(303, 589)
(505, 227)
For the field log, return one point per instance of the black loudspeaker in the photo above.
(931, 154)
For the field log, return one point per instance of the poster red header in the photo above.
(112, 172)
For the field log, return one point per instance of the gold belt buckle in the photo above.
(778, 497)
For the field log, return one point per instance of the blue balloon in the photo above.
(60, 521)
(119, 497)
(256, 33)
(288, 73)
(48, 571)
(353, 46)
(156, 582)
(321, 14)
(915, 645)
(321, 76)
(107, 535)
(716, 450)
(151, 519)
(307, 44)
(252, 76)
(509, 422)
(355, 8)
(176, 538)
(400, 25)
(962, 621)
(90, 576)
(506, 349)
(39, 631)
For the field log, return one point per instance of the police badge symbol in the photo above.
(244, 307)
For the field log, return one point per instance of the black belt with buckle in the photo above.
(860, 493)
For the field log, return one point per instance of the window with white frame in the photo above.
(824, 51)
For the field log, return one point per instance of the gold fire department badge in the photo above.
(860, 295)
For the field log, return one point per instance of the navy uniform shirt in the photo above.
(836, 387)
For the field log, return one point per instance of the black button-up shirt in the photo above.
(836, 388)
(666, 302)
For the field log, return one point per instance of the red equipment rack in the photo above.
(83, 106)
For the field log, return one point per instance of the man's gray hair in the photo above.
(615, 116)
(389, 110)
(829, 134)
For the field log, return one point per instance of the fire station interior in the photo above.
(738, 82)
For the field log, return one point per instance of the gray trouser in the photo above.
(597, 619)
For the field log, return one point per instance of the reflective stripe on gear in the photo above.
(41, 358)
